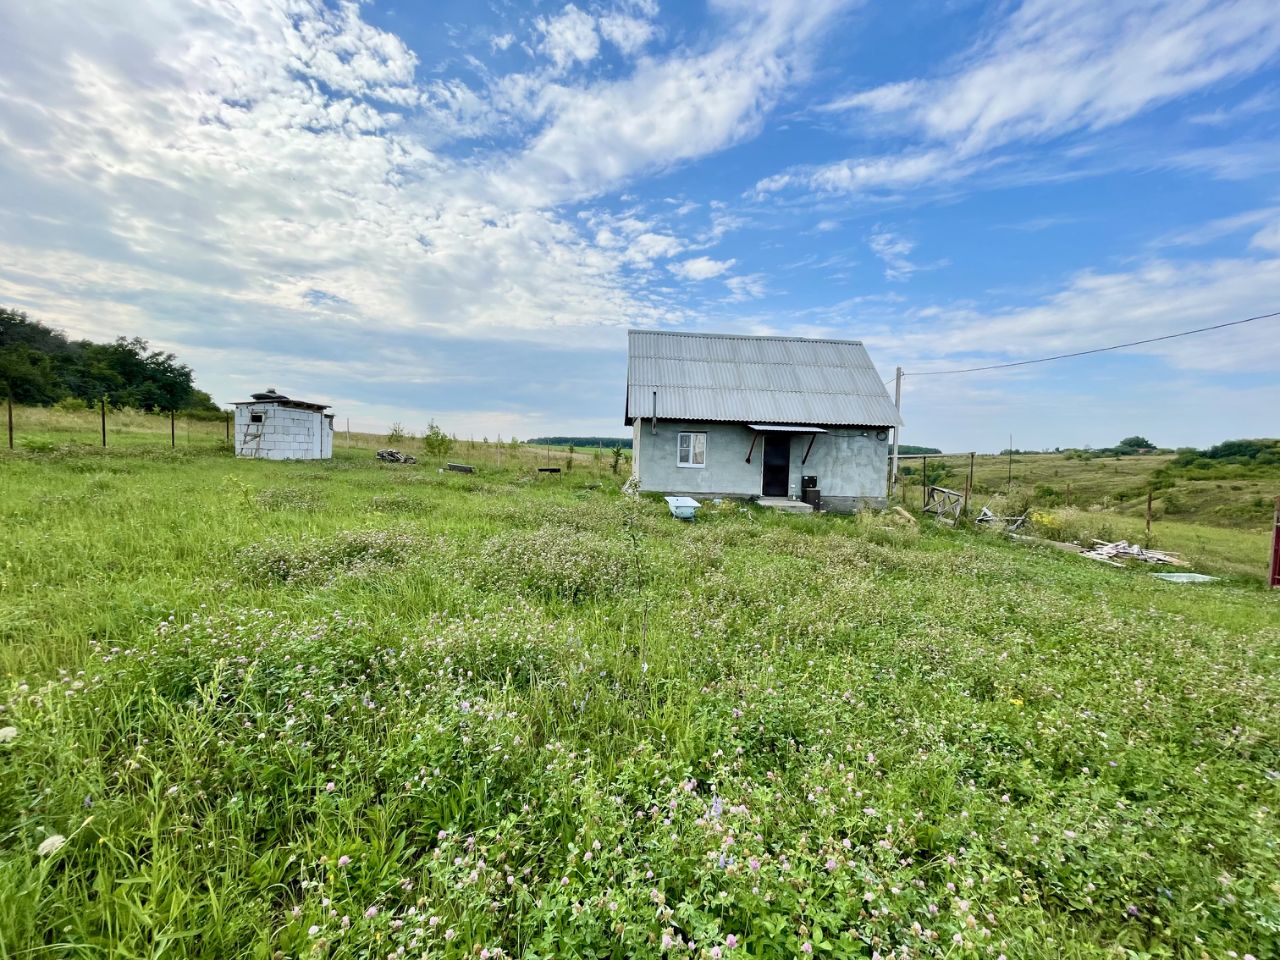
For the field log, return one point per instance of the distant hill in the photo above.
(580, 442)
(911, 448)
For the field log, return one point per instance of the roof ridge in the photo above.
(740, 336)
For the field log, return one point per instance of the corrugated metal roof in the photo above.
(709, 376)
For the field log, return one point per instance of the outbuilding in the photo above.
(776, 418)
(272, 426)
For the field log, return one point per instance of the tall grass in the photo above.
(352, 709)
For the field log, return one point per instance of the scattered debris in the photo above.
(460, 468)
(395, 456)
(1184, 577)
(682, 508)
(1009, 523)
(905, 516)
(1123, 550)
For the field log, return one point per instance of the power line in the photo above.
(1084, 353)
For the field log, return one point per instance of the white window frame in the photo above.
(691, 449)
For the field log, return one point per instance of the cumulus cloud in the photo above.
(700, 268)
(628, 34)
(570, 37)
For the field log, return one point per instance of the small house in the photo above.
(767, 417)
(272, 426)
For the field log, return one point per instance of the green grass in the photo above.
(1219, 521)
(340, 708)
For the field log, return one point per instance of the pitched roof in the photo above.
(711, 376)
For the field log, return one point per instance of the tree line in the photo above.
(41, 366)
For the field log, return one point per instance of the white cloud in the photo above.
(502, 41)
(1268, 238)
(669, 110)
(894, 250)
(570, 37)
(628, 34)
(1096, 309)
(749, 287)
(1058, 66)
(700, 268)
(1054, 67)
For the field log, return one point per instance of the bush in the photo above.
(436, 442)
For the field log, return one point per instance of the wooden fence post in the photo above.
(968, 486)
(1149, 495)
(173, 429)
(924, 482)
(104, 420)
(10, 416)
(228, 426)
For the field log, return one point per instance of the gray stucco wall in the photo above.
(850, 463)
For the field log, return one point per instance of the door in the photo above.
(776, 473)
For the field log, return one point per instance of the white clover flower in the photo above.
(51, 845)
(8, 733)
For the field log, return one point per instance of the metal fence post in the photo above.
(104, 421)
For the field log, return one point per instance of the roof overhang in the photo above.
(298, 404)
(784, 428)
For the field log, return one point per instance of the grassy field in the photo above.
(1220, 522)
(352, 709)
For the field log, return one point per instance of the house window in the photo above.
(691, 450)
(255, 418)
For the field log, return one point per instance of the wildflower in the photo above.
(312, 930)
(667, 942)
(730, 941)
(450, 933)
(51, 844)
(330, 787)
(371, 913)
(343, 860)
(8, 733)
(754, 864)
(715, 953)
(806, 947)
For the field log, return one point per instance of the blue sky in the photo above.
(453, 211)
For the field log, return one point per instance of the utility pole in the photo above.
(897, 402)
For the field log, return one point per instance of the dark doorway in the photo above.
(776, 473)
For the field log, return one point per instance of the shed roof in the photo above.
(791, 380)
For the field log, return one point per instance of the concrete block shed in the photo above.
(272, 426)
(768, 417)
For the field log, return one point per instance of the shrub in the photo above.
(436, 442)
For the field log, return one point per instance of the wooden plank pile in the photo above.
(1112, 553)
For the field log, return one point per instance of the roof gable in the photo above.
(699, 376)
